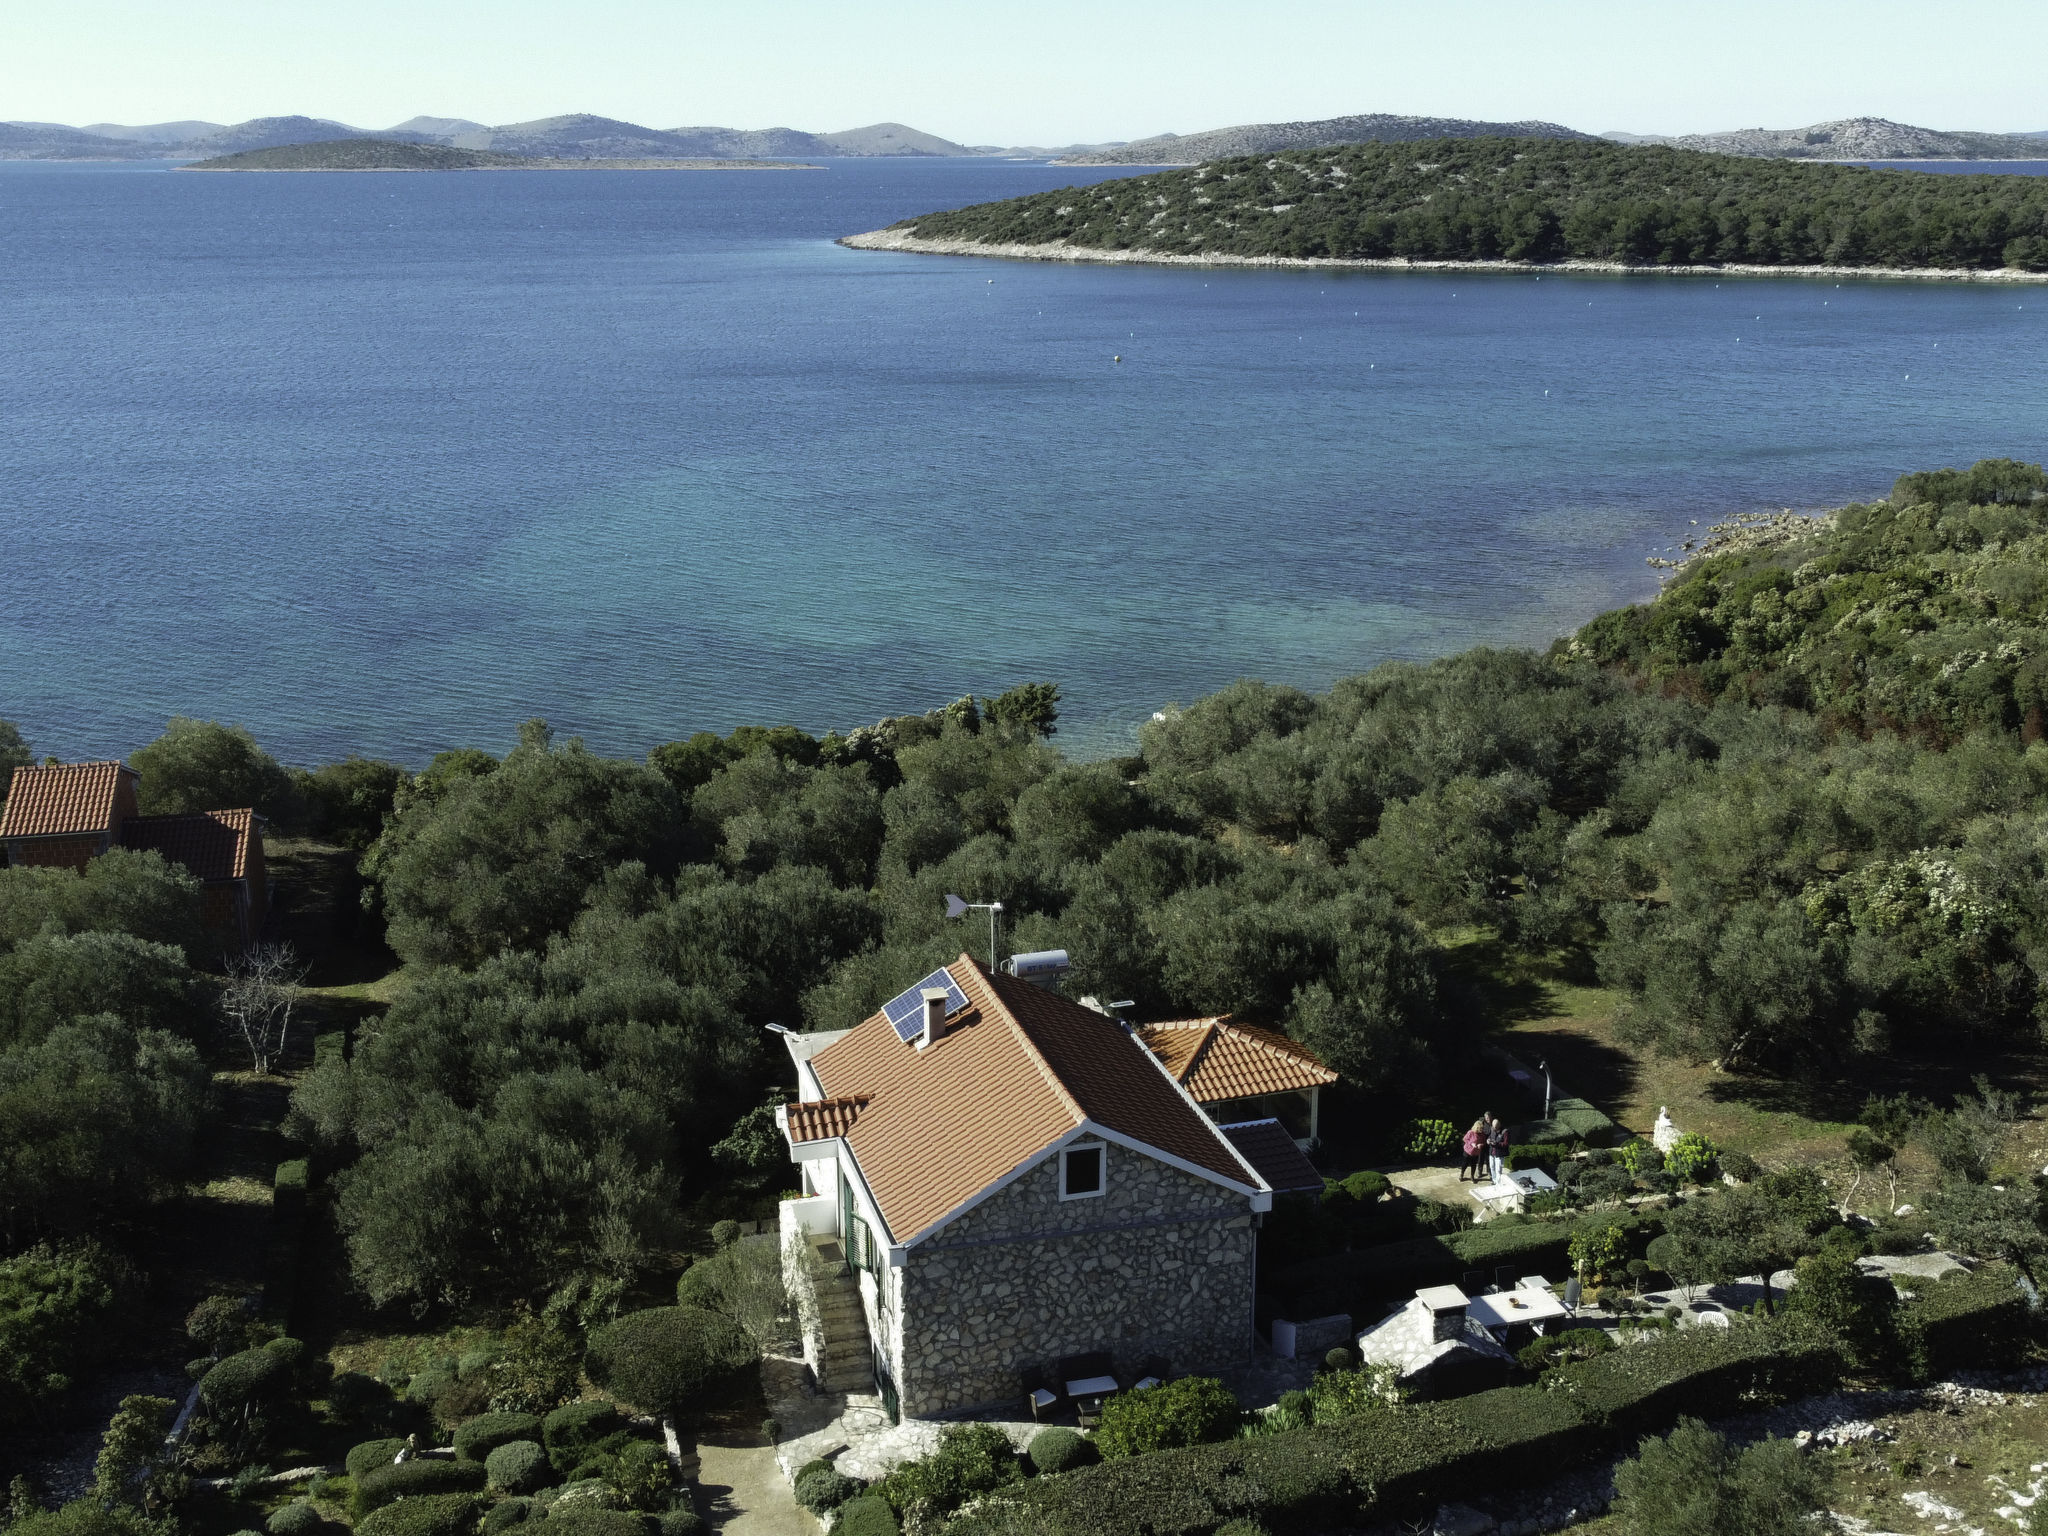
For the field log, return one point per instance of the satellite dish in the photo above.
(955, 907)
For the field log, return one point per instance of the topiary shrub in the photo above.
(240, 1381)
(868, 1516)
(1739, 1166)
(381, 1485)
(445, 1514)
(725, 1233)
(505, 1514)
(1367, 1185)
(584, 1493)
(518, 1466)
(575, 1429)
(1563, 1348)
(371, 1454)
(1191, 1411)
(680, 1522)
(480, 1436)
(1062, 1450)
(297, 1518)
(1544, 1155)
(661, 1359)
(1339, 1359)
(826, 1489)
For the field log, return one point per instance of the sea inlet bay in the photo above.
(385, 463)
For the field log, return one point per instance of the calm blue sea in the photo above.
(386, 463)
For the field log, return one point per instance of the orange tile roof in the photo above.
(1017, 1069)
(822, 1119)
(1219, 1059)
(1268, 1147)
(214, 845)
(67, 799)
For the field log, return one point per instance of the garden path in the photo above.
(742, 1492)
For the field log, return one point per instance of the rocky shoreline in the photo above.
(903, 240)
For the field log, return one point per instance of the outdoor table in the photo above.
(1505, 1308)
(1092, 1386)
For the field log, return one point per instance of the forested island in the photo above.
(1772, 847)
(1516, 200)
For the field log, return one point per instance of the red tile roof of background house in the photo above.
(1016, 1070)
(822, 1119)
(64, 800)
(1219, 1059)
(214, 845)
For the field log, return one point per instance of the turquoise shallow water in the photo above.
(385, 463)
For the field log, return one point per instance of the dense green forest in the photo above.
(1533, 200)
(1795, 811)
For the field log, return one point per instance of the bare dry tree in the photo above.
(257, 999)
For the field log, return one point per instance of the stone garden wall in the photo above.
(1160, 1264)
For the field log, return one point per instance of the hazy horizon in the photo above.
(1061, 73)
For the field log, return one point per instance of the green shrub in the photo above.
(970, 1460)
(1599, 1248)
(1694, 1481)
(826, 1489)
(1570, 1120)
(575, 1429)
(1640, 1158)
(588, 1520)
(445, 1514)
(869, 1516)
(1242, 1528)
(725, 1233)
(1061, 1450)
(1191, 1411)
(680, 1522)
(407, 1479)
(297, 1518)
(1739, 1166)
(518, 1466)
(582, 1493)
(371, 1454)
(642, 1475)
(1691, 1155)
(480, 1436)
(1367, 1185)
(505, 1514)
(1428, 1138)
(1336, 1395)
(251, 1377)
(1563, 1348)
(661, 1359)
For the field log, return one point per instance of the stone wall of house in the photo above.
(1160, 1264)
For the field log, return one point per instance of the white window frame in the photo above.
(1101, 1150)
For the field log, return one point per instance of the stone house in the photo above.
(65, 815)
(996, 1177)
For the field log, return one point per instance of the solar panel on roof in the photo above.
(906, 1009)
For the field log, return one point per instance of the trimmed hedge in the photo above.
(1061, 1450)
(505, 1514)
(518, 1466)
(251, 1376)
(868, 1516)
(475, 1440)
(1548, 1156)
(407, 1479)
(371, 1453)
(1360, 1281)
(1969, 1321)
(445, 1514)
(586, 1520)
(1570, 1120)
(1391, 1462)
(297, 1518)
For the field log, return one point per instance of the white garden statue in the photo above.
(1663, 1134)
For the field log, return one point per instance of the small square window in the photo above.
(1081, 1171)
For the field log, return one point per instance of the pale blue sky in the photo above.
(1057, 71)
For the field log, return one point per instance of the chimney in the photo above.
(934, 1015)
(1446, 1305)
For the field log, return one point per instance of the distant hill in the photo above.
(359, 155)
(269, 132)
(1853, 138)
(442, 128)
(54, 141)
(1262, 138)
(887, 139)
(1522, 200)
(157, 133)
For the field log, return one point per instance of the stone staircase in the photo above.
(847, 1363)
